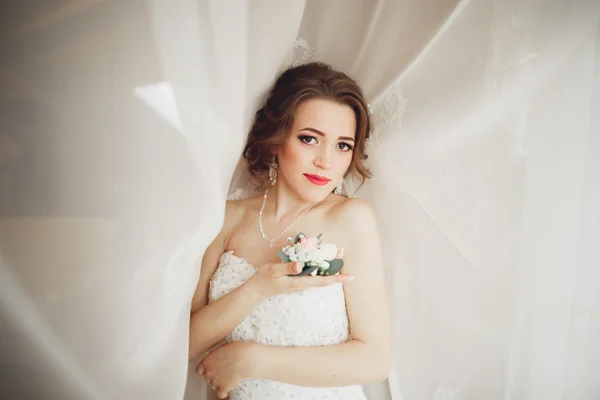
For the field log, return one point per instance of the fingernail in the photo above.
(297, 267)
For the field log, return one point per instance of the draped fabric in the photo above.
(120, 139)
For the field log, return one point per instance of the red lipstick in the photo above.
(317, 179)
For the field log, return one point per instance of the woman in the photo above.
(303, 337)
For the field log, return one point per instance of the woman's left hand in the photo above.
(225, 367)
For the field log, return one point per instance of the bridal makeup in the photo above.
(319, 150)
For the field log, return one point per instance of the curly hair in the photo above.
(296, 85)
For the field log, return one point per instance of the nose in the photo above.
(323, 159)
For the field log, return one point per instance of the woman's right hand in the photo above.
(272, 278)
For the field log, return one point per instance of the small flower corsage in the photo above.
(316, 257)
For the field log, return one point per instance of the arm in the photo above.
(367, 356)
(350, 363)
(211, 323)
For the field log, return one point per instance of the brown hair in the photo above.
(295, 86)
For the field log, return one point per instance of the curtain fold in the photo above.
(120, 139)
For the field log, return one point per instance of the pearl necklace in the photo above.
(260, 226)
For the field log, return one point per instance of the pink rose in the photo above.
(309, 244)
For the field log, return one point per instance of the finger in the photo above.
(221, 394)
(284, 269)
(200, 369)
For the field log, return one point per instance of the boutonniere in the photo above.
(316, 256)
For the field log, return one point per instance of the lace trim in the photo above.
(307, 52)
(387, 112)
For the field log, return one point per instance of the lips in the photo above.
(317, 180)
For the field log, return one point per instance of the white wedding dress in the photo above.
(314, 317)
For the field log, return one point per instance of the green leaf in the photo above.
(297, 240)
(284, 257)
(335, 266)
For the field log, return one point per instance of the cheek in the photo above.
(349, 157)
(295, 155)
(345, 162)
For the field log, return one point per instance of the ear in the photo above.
(275, 150)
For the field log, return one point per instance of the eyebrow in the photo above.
(318, 132)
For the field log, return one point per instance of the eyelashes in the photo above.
(307, 139)
(347, 146)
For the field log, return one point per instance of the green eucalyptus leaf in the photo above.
(297, 240)
(335, 266)
(306, 271)
(284, 257)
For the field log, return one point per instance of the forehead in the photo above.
(332, 118)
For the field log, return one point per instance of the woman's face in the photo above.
(318, 151)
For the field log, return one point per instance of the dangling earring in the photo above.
(338, 188)
(273, 171)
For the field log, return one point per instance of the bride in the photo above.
(283, 336)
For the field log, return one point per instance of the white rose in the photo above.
(326, 251)
(324, 265)
(314, 272)
(303, 257)
(316, 258)
(293, 257)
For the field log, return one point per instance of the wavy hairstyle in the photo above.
(272, 122)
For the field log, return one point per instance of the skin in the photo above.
(349, 223)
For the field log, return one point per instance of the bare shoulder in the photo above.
(356, 217)
(355, 206)
(236, 210)
(234, 214)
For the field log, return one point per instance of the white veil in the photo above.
(121, 138)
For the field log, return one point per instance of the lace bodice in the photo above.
(316, 316)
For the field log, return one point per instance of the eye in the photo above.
(306, 139)
(345, 146)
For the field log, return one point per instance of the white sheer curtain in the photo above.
(120, 138)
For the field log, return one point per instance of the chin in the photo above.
(317, 197)
(309, 192)
(315, 194)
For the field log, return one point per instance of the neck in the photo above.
(282, 202)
